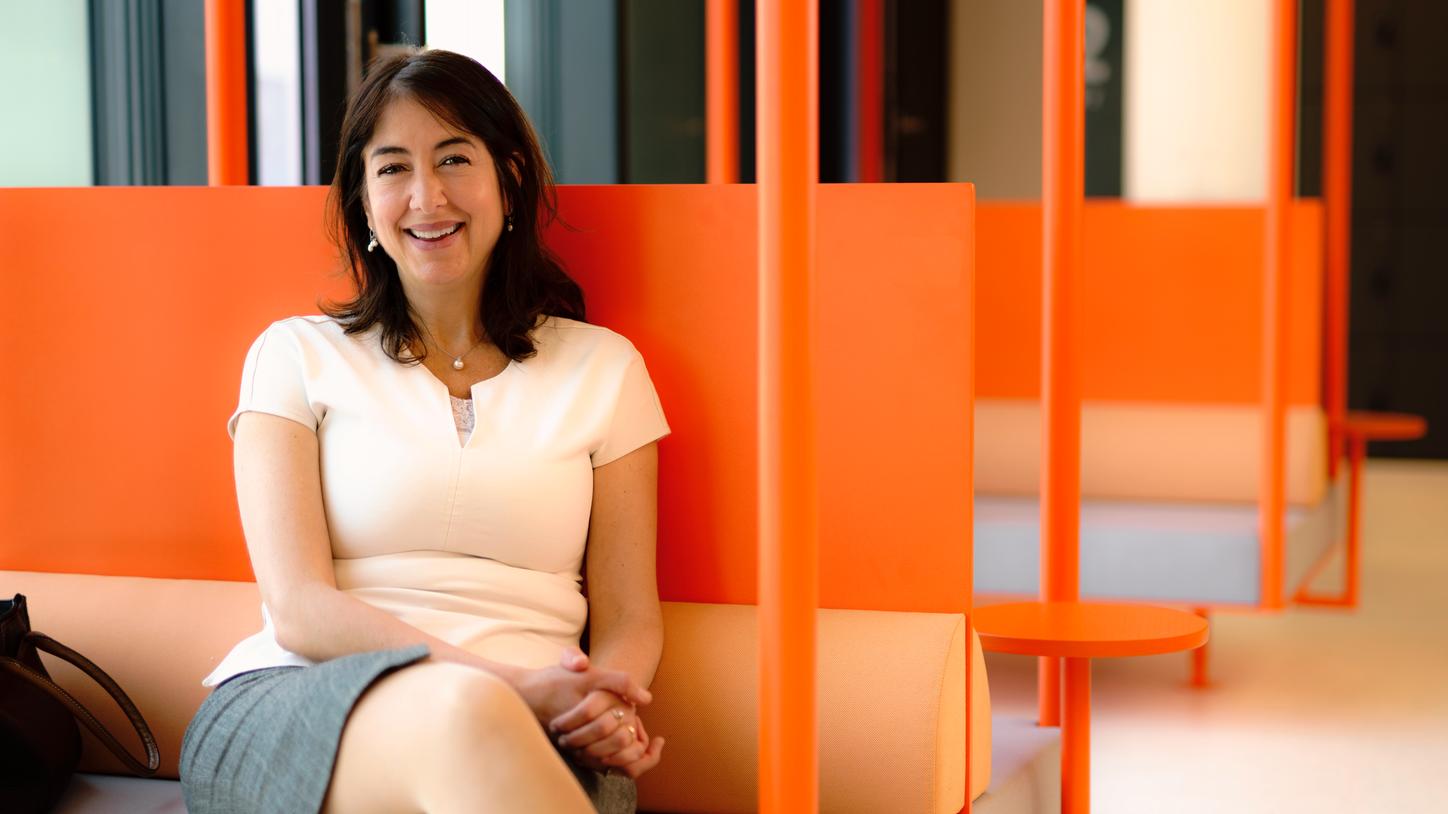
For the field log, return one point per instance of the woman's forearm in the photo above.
(632, 644)
(324, 623)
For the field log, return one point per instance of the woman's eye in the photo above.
(456, 159)
(390, 169)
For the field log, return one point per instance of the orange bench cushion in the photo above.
(891, 698)
(1152, 451)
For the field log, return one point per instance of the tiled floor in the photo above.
(1311, 710)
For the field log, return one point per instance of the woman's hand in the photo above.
(553, 691)
(602, 734)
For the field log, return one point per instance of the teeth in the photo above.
(435, 235)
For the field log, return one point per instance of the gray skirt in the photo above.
(266, 741)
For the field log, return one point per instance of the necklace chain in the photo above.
(457, 361)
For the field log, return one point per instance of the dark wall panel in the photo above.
(1399, 310)
(1105, 65)
(916, 71)
(663, 88)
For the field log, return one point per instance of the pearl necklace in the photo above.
(457, 362)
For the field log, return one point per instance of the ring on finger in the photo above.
(618, 713)
(633, 733)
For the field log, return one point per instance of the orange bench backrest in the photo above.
(129, 310)
(1170, 303)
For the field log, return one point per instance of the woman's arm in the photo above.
(625, 622)
(279, 492)
(626, 628)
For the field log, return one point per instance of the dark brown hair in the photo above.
(524, 280)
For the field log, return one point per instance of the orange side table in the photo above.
(1079, 632)
(1359, 428)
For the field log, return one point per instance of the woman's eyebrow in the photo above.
(447, 142)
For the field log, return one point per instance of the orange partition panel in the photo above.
(114, 457)
(121, 356)
(1170, 302)
(670, 262)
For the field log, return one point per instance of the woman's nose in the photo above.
(427, 191)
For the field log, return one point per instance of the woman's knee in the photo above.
(444, 702)
(412, 726)
(475, 705)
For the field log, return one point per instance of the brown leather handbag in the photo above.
(39, 740)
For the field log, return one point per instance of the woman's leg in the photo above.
(441, 738)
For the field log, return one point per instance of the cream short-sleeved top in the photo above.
(476, 538)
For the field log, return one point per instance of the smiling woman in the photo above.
(434, 207)
(420, 472)
(433, 142)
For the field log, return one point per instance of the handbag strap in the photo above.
(39, 641)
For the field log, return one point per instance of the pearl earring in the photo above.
(510, 223)
(371, 241)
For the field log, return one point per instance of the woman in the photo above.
(418, 472)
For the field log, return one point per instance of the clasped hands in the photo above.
(593, 715)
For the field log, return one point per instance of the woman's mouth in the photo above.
(433, 235)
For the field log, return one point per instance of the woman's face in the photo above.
(432, 197)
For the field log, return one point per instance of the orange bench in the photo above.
(130, 476)
(1170, 337)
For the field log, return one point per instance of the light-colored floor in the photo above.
(1311, 710)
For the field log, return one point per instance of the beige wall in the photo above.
(1195, 119)
(995, 97)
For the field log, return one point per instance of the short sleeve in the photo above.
(638, 418)
(273, 380)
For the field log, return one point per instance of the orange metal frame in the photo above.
(721, 91)
(788, 139)
(1062, 195)
(1275, 300)
(1337, 203)
(1357, 429)
(1060, 629)
(1348, 432)
(226, 129)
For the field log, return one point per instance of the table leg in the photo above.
(1199, 656)
(1358, 446)
(1048, 691)
(1076, 738)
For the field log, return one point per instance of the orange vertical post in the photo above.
(1063, 187)
(870, 90)
(967, 579)
(1337, 206)
(721, 97)
(1280, 164)
(226, 139)
(787, 90)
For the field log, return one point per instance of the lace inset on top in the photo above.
(463, 417)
